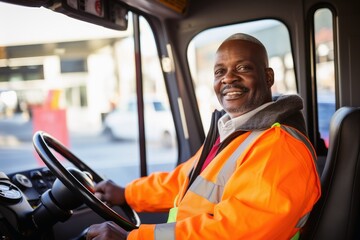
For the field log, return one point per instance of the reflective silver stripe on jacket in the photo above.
(214, 191)
(208, 190)
(302, 138)
(165, 231)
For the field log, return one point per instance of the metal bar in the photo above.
(140, 96)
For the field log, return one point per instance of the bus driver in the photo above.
(255, 175)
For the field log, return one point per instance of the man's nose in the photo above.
(229, 78)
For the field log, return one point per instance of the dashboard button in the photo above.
(22, 181)
(9, 193)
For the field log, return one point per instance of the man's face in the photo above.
(242, 79)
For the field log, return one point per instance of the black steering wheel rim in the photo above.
(42, 143)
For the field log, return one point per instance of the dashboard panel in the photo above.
(21, 196)
(33, 183)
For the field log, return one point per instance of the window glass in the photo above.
(76, 81)
(201, 52)
(73, 65)
(159, 125)
(325, 69)
(159, 107)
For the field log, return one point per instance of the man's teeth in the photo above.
(233, 93)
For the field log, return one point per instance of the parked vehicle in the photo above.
(122, 123)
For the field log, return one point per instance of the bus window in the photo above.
(76, 81)
(122, 123)
(325, 70)
(272, 33)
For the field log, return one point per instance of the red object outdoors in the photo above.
(51, 119)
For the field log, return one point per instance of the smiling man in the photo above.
(255, 176)
(243, 79)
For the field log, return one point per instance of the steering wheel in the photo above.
(43, 142)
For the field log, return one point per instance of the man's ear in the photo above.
(269, 76)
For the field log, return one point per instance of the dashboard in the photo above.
(32, 183)
(28, 210)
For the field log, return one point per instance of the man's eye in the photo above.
(218, 72)
(242, 68)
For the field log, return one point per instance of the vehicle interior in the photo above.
(68, 66)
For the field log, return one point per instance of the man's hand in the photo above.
(106, 230)
(110, 193)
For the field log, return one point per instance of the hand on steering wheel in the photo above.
(43, 142)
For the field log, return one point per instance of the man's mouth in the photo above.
(232, 93)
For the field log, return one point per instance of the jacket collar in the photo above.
(284, 109)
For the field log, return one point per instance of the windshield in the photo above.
(68, 78)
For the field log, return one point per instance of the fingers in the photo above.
(107, 191)
(106, 230)
(102, 198)
(95, 231)
(101, 186)
(91, 232)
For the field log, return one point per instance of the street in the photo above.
(116, 160)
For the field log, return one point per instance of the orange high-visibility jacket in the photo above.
(265, 194)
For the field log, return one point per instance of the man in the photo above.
(255, 176)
